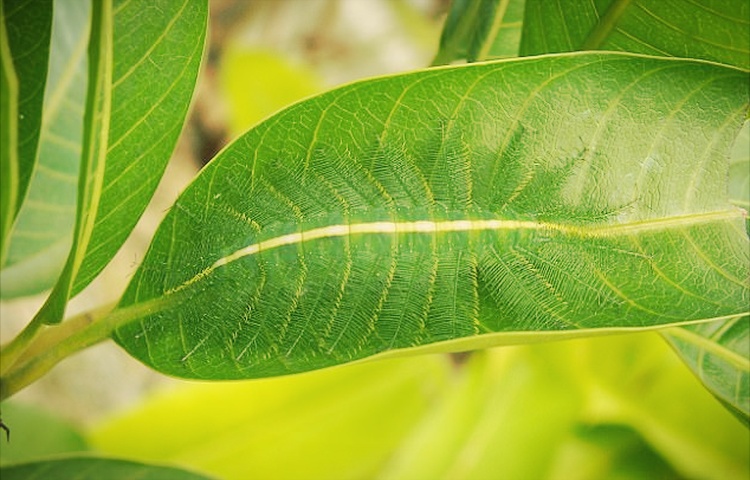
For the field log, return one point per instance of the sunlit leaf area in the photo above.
(375, 239)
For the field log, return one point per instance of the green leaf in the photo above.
(531, 199)
(481, 30)
(28, 26)
(139, 91)
(36, 433)
(712, 30)
(9, 163)
(336, 423)
(636, 380)
(42, 235)
(85, 468)
(93, 159)
(719, 353)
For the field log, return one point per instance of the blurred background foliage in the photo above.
(611, 407)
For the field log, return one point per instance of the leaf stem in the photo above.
(56, 342)
(15, 348)
(41, 349)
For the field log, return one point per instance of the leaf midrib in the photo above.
(467, 225)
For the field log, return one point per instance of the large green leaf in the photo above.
(140, 85)
(42, 235)
(473, 205)
(91, 468)
(712, 29)
(481, 30)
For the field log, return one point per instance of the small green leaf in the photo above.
(527, 201)
(481, 30)
(91, 468)
(712, 30)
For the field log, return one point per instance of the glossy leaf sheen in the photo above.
(542, 195)
(90, 468)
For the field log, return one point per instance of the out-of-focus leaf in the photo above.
(481, 30)
(560, 410)
(142, 72)
(716, 30)
(614, 452)
(92, 468)
(36, 433)
(447, 217)
(338, 423)
(257, 83)
(639, 382)
(41, 237)
(505, 416)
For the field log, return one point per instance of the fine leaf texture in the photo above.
(43, 231)
(91, 468)
(481, 30)
(473, 205)
(717, 30)
(138, 96)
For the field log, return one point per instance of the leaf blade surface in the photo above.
(436, 221)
